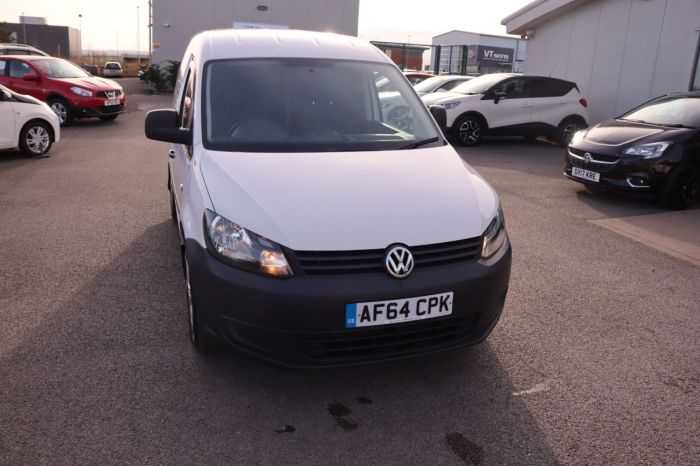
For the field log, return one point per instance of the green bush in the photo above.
(162, 79)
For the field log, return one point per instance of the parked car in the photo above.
(112, 69)
(654, 148)
(512, 105)
(442, 83)
(20, 49)
(27, 123)
(414, 77)
(313, 232)
(92, 69)
(68, 89)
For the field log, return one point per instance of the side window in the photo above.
(548, 87)
(18, 69)
(3, 67)
(187, 102)
(518, 88)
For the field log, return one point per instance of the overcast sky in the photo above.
(112, 24)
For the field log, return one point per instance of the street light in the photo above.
(80, 28)
(24, 28)
(138, 36)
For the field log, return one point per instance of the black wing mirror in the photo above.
(162, 125)
(498, 95)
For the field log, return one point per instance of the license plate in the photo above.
(111, 102)
(585, 174)
(398, 310)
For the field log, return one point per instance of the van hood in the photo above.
(351, 200)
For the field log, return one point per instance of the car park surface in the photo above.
(594, 362)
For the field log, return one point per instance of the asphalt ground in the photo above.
(596, 359)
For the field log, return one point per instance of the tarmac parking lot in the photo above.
(596, 359)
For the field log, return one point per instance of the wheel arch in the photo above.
(52, 135)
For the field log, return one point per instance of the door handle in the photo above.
(171, 153)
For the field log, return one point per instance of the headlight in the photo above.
(448, 105)
(577, 137)
(495, 236)
(648, 151)
(244, 249)
(81, 91)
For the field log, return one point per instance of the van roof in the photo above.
(281, 43)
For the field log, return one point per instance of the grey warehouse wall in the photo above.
(620, 52)
(185, 18)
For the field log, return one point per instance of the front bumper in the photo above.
(85, 107)
(300, 321)
(620, 173)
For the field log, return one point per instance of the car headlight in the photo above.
(244, 249)
(648, 151)
(81, 91)
(495, 236)
(577, 137)
(448, 105)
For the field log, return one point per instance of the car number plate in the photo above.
(398, 310)
(585, 174)
(111, 102)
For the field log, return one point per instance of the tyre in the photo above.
(35, 138)
(173, 208)
(400, 117)
(198, 337)
(681, 188)
(60, 107)
(468, 130)
(109, 117)
(567, 129)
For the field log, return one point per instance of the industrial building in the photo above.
(621, 53)
(59, 41)
(176, 21)
(462, 52)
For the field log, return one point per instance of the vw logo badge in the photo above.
(399, 262)
(587, 157)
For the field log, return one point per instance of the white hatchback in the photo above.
(504, 104)
(27, 123)
(316, 230)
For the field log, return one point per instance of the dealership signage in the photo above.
(494, 55)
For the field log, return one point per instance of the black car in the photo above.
(653, 149)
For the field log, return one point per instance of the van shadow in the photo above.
(110, 377)
(14, 158)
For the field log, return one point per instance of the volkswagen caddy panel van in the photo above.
(314, 232)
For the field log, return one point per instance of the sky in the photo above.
(113, 25)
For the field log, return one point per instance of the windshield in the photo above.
(311, 105)
(668, 111)
(58, 68)
(481, 84)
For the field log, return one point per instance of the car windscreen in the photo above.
(310, 105)
(430, 84)
(480, 85)
(113, 66)
(58, 68)
(676, 110)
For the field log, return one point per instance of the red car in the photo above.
(68, 89)
(414, 77)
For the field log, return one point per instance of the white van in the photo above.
(313, 232)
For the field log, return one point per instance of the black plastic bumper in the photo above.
(300, 321)
(87, 112)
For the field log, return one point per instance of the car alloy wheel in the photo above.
(37, 140)
(60, 109)
(685, 190)
(568, 132)
(469, 131)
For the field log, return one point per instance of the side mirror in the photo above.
(30, 77)
(440, 116)
(498, 95)
(162, 125)
(6, 96)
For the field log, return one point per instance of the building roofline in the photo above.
(479, 34)
(537, 12)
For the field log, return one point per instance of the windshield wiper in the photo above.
(416, 144)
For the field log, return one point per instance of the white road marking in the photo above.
(540, 387)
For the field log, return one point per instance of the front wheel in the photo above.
(681, 188)
(62, 110)
(198, 337)
(468, 130)
(35, 139)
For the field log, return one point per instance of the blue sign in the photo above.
(494, 55)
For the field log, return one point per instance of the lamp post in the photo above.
(24, 29)
(150, 33)
(80, 28)
(138, 36)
